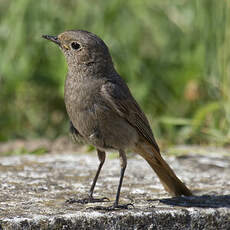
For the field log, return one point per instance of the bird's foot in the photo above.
(113, 207)
(89, 199)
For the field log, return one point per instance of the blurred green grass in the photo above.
(174, 56)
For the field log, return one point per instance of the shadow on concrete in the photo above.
(205, 201)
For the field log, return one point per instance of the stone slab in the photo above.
(34, 190)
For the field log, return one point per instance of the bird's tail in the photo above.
(168, 178)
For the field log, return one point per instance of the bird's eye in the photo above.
(75, 45)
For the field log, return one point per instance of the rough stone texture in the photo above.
(34, 190)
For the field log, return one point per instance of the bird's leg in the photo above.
(90, 198)
(123, 163)
(101, 157)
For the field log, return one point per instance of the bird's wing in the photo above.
(118, 97)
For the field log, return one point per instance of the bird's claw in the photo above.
(113, 207)
(87, 200)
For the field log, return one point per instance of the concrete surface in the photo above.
(34, 190)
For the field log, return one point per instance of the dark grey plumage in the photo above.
(103, 111)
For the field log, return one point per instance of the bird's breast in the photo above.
(80, 99)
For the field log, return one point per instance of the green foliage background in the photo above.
(174, 55)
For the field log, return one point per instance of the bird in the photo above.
(103, 112)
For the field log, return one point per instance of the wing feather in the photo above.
(117, 95)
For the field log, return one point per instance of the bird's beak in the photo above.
(52, 39)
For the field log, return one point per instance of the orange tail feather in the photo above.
(168, 178)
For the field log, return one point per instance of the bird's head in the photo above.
(81, 48)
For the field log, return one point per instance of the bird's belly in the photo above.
(103, 128)
(118, 133)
